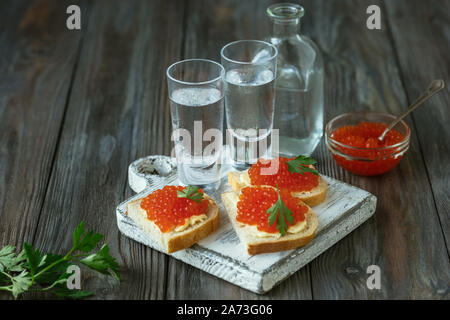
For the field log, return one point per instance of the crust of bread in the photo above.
(173, 241)
(256, 245)
(239, 180)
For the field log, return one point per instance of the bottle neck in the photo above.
(285, 29)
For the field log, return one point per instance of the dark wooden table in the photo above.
(76, 107)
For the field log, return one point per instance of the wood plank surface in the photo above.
(76, 107)
(404, 237)
(421, 35)
(115, 114)
(37, 60)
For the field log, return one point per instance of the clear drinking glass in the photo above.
(251, 67)
(299, 84)
(196, 105)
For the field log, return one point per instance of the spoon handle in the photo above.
(435, 86)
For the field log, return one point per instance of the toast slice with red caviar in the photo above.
(312, 197)
(261, 243)
(173, 240)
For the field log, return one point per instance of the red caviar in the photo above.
(167, 211)
(255, 201)
(378, 157)
(283, 178)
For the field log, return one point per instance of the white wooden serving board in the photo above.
(222, 255)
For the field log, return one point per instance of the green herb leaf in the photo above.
(190, 192)
(20, 283)
(102, 262)
(54, 273)
(78, 233)
(300, 165)
(33, 270)
(9, 261)
(7, 257)
(34, 258)
(279, 213)
(85, 241)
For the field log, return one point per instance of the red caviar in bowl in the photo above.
(283, 178)
(255, 201)
(365, 135)
(364, 153)
(167, 211)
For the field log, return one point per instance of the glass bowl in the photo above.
(366, 161)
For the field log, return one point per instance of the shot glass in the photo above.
(250, 72)
(195, 89)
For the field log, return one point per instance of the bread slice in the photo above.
(173, 241)
(257, 245)
(239, 180)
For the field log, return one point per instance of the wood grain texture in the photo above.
(37, 60)
(115, 109)
(404, 238)
(421, 36)
(67, 135)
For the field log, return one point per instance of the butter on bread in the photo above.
(181, 237)
(257, 242)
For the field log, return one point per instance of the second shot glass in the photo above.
(250, 72)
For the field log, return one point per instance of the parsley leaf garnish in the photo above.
(20, 283)
(190, 192)
(32, 270)
(102, 262)
(85, 241)
(300, 165)
(280, 213)
(9, 261)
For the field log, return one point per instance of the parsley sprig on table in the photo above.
(280, 213)
(31, 270)
(190, 192)
(300, 165)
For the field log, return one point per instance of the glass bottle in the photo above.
(299, 84)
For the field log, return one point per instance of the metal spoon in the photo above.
(434, 87)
